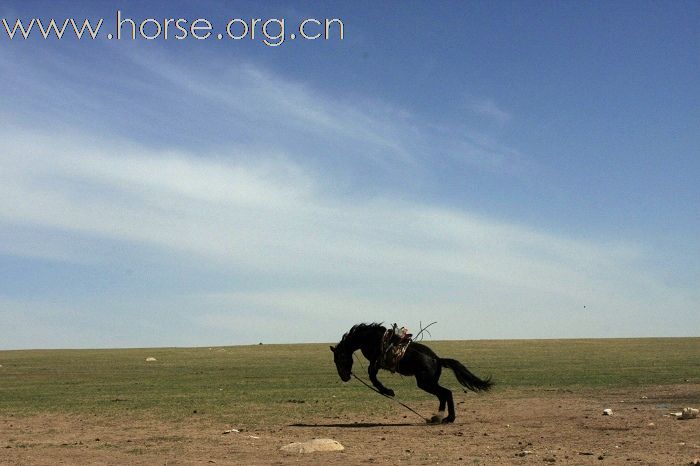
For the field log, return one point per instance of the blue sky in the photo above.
(508, 169)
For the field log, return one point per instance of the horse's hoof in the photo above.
(436, 419)
(389, 392)
(448, 420)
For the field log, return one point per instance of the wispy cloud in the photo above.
(208, 205)
(347, 134)
(372, 130)
(489, 109)
(319, 257)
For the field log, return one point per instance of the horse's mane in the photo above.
(357, 328)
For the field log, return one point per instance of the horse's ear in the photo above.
(333, 349)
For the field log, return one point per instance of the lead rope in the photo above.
(391, 398)
(386, 396)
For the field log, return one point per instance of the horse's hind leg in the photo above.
(450, 405)
(443, 394)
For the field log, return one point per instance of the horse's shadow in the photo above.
(361, 425)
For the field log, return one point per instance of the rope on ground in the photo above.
(391, 398)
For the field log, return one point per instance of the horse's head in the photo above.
(359, 336)
(343, 361)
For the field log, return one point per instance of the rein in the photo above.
(391, 398)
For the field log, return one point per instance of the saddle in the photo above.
(394, 344)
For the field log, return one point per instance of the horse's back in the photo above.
(418, 358)
(422, 349)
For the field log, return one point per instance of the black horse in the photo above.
(418, 360)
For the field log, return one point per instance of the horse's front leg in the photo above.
(372, 371)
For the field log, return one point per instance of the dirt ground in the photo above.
(508, 427)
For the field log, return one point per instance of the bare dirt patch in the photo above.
(506, 427)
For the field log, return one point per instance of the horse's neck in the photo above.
(368, 339)
(353, 344)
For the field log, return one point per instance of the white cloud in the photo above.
(489, 109)
(257, 216)
(258, 95)
(355, 259)
(347, 133)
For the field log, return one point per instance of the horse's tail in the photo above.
(465, 377)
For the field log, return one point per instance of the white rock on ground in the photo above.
(151, 359)
(317, 444)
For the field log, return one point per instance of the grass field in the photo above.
(279, 382)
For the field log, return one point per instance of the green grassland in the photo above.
(250, 383)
